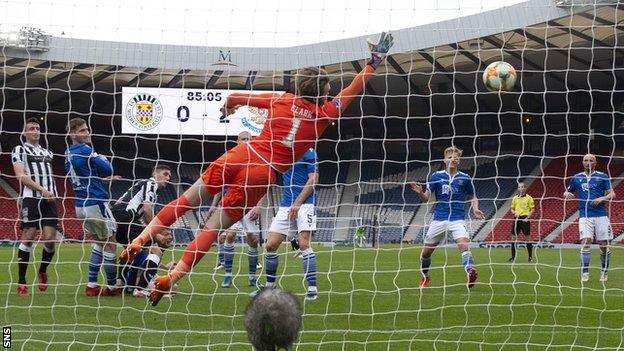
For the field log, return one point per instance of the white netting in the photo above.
(158, 103)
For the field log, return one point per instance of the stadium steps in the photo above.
(348, 207)
(422, 215)
(553, 212)
(503, 214)
(9, 223)
(546, 191)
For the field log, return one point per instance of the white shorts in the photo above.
(246, 226)
(438, 229)
(306, 221)
(97, 220)
(600, 226)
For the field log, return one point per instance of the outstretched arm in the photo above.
(345, 97)
(236, 100)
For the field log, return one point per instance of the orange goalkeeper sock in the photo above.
(193, 253)
(176, 208)
(165, 218)
(198, 247)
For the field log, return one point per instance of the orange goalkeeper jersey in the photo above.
(294, 124)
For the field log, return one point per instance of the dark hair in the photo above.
(32, 120)
(162, 167)
(310, 82)
(75, 123)
(273, 319)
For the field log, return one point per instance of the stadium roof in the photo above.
(535, 36)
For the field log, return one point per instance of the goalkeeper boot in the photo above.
(227, 282)
(472, 277)
(128, 254)
(424, 282)
(162, 286)
(604, 277)
(585, 277)
(43, 281)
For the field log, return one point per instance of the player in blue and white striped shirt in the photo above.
(86, 169)
(451, 188)
(594, 191)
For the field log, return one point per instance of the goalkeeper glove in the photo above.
(379, 50)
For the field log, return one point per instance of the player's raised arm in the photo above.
(236, 100)
(344, 98)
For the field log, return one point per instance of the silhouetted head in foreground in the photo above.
(273, 320)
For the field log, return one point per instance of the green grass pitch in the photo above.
(369, 300)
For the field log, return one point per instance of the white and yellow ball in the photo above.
(499, 76)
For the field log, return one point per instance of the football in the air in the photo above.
(499, 76)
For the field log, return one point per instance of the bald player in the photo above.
(594, 190)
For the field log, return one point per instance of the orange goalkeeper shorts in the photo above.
(247, 177)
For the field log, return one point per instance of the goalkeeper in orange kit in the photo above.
(294, 124)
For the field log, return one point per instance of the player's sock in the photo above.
(271, 261)
(220, 255)
(94, 265)
(467, 260)
(133, 269)
(228, 258)
(23, 256)
(530, 250)
(150, 266)
(252, 256)
(425, 262)
(604, 260)
(110, 268)
(513, 250)
(309, 266)
(194, 252)
(173, 210)
(585, 260)
(46, 258)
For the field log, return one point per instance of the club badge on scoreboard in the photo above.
(144, 111)
(255, 120)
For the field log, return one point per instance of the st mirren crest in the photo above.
(144, 111)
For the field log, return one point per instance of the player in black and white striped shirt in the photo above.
(33, 168)
(135, 208)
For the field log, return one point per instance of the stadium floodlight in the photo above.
(28, 38)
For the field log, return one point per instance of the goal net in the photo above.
(150, 79)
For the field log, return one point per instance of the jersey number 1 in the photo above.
(288, 140)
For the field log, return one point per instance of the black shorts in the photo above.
(129, 226)
(38, 213)
(521, 226)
